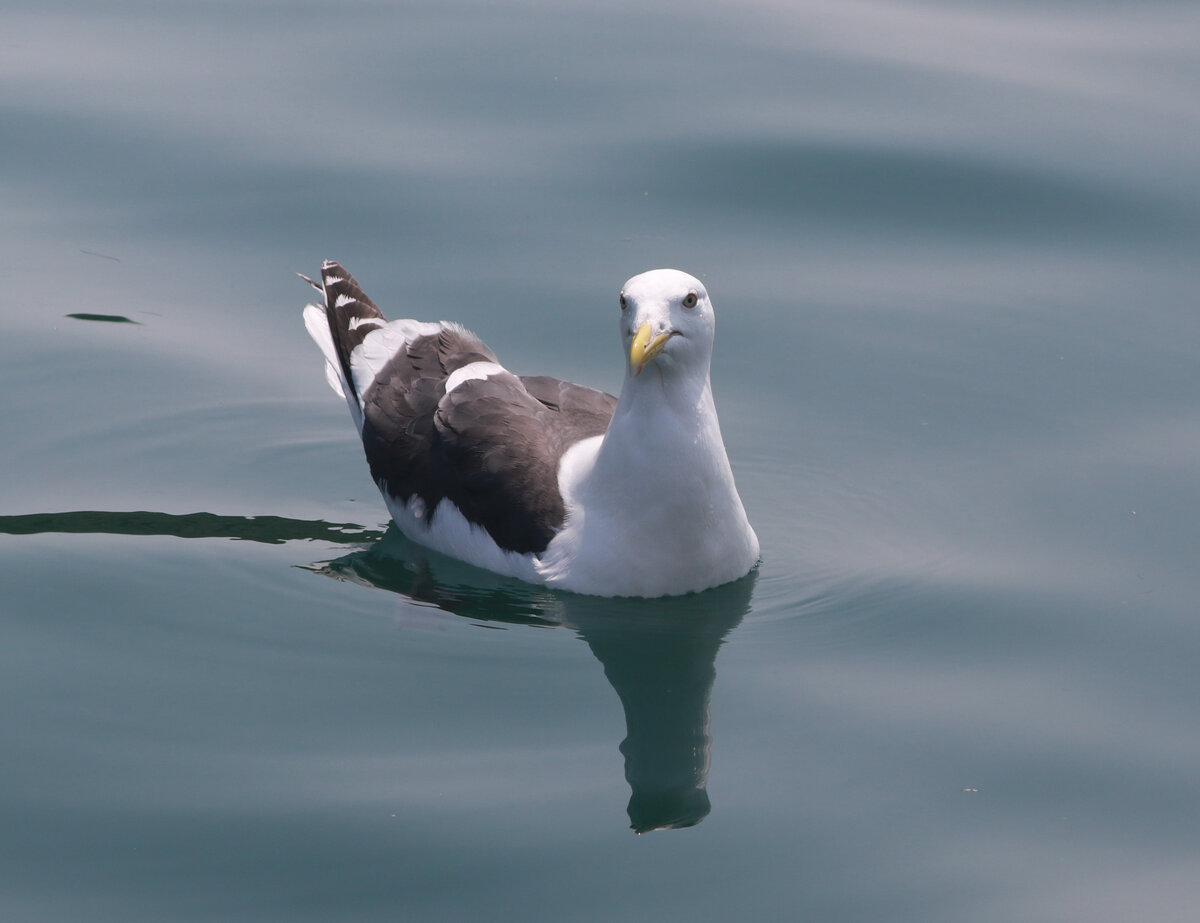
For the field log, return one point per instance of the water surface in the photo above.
(952, 251)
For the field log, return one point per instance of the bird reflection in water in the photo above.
(658, 654)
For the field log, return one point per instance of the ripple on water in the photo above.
(838, 546)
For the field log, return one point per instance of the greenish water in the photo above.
(952, 252)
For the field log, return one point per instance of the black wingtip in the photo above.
(339, 285)
(350, 313)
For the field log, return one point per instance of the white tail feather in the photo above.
(317, 325)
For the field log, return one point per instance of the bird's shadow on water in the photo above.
(658, 654)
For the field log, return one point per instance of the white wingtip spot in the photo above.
(343, 299)
(475, 370)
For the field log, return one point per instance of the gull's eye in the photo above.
(689, 300)
(624, 303)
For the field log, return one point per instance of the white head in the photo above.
(667, 324)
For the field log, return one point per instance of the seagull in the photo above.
(548, 481)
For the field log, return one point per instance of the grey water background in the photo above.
(952, 248)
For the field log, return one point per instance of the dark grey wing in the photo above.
(504, 437)
(350, 313)
(491, 446)
(398, 409)
(582, 412)
(498, 451)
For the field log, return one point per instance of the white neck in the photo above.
(660, 477)
(661, 429)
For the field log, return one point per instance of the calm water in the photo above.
(953, 253)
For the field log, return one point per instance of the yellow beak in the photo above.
(645, 347)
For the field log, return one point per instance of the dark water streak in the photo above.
(270, 529)
(102, 318)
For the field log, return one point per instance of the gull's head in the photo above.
(666, 323)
